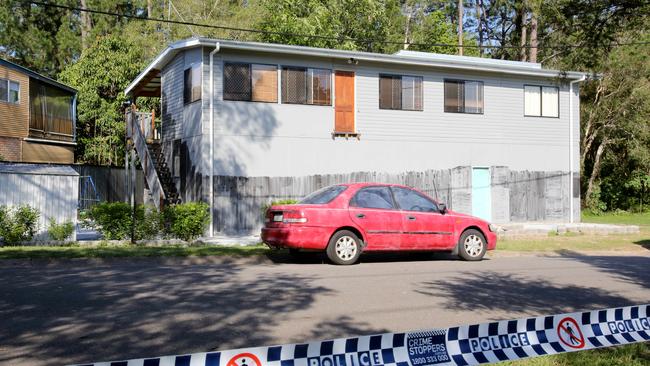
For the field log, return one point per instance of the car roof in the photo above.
(366, 184)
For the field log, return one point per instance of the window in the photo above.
(4, 90)
(192, 84)
(9, 91)
(463, 96)
(51, 111)
(410, 200)
(324, 195)
(250, 82)
(541, 101)
(373, 197)
(14, 92)
(400, 92)
(301, 85)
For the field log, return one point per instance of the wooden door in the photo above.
(344, 101)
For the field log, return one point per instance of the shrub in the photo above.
(275, 203)
(148, 222)
(187, 221)
(112, 219)
(60, 232)
(18, 224)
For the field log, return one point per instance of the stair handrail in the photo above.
(148, 167)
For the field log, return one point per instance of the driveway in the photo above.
(72, 311)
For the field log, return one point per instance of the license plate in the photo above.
(277, 218)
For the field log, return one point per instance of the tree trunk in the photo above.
(460, 27)
(595, 171)
(407, 29)
(86, 25)
(533, 37)
(149, 8)
(479, 21)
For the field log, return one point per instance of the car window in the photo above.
(373, 197)
(324, 195)
(411, 200)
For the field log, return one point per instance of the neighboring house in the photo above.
(244, 123)
(37, 117)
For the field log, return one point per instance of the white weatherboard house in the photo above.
(245, 123)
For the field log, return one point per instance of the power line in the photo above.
(338, 39)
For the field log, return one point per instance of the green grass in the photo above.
(588, 242)
(121, 251)
(622, 218)
(630, 355)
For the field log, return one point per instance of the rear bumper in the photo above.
(299, 237)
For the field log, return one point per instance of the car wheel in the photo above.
(472, 245)
(344, 247)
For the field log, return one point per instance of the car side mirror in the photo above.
(442, 208)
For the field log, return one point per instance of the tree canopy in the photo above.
(99, 54)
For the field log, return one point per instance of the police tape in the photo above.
(463, 345)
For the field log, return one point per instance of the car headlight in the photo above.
(493, 228)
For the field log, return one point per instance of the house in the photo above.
(244, 123)
(37, 117)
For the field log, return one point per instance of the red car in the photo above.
(346, 219)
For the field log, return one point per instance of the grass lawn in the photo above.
(630, 355)
(573, 241)
(111, 251)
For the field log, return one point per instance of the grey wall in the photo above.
(517, 196)
(55, 196)
(273, 139)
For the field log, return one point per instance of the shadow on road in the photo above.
(494, 291)
(635, 270)
(283, 257)
(644, 243)
(59, 315)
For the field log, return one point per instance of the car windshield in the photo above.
(322, 196)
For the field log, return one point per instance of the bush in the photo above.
(187, 221)
(148, 222)
(60, 232)
(275, 203)
(112, 219)
(18, 224)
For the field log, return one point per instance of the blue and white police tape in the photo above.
(463, 345)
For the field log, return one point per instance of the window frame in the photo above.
(191, 68)
(353, 200)
(281, 93)
(463, 81)
(250, 81)
(541, 99)
(401, 91)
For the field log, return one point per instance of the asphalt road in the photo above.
(74, 311)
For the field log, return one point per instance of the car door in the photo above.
(373, 210)
(424, 227)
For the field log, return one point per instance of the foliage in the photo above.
(18, 224)
(266, 206)
(112, 219)
(60, 232)
(187, 221)
(148, 222)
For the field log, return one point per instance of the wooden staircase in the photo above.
(143, 139)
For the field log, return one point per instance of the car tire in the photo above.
(472, 245)
(344, 247)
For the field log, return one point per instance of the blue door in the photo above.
(481, 198)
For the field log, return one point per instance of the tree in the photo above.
(102, 73)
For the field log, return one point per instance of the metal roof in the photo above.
(36, 169)
(407, 58)
(37, 76)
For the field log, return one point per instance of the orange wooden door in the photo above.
(344, 101)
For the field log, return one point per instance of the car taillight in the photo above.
(293, 217)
